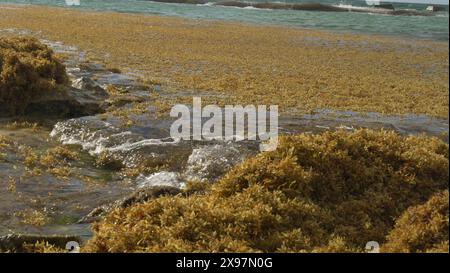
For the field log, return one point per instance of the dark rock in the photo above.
(233, 4)
(136, 197)
(379, 9)
(67, 102)
(272, 6)
(316, 7)
(385, 6)
(85, 83)
(407, 12)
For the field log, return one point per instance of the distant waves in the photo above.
(305, 7)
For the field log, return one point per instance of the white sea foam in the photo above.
(143, 143)
(160, 179)
(96, 136)
(208, 4)
(358, 8)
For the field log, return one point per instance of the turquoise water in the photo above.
(434, 27)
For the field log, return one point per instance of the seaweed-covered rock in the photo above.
(366, 178)
(254, 220)
(316, 193)
(422, 228)
(34, 82)
(28, 71)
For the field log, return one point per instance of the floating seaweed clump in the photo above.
(28, 70)
(42, 247)
(331, 192)
(57, 161)
(423, 228)
(33, 217)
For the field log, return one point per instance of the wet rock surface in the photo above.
(168, 179)
(67, 103)
(208, 163)
(132, 145)
(86, 83)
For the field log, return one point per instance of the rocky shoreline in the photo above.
(106, 159)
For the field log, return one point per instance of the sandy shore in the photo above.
(300, 70)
